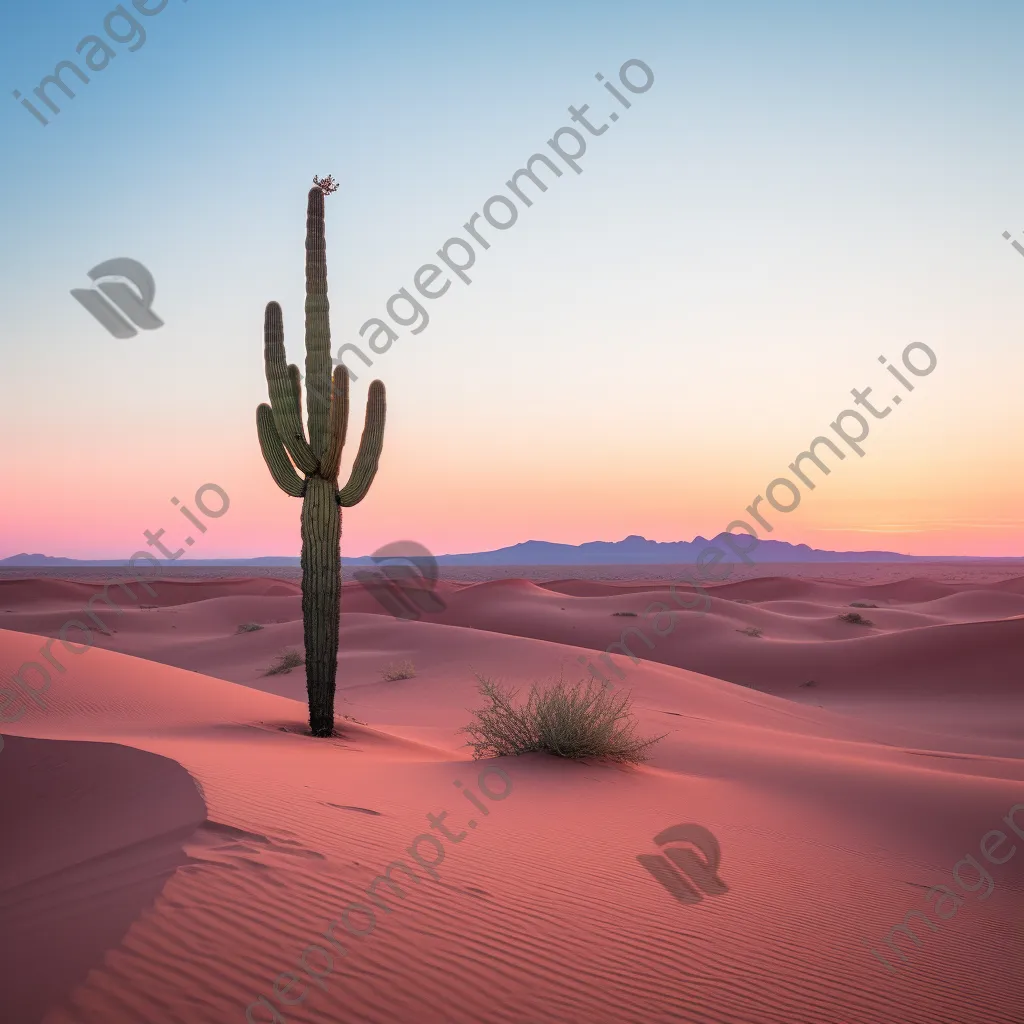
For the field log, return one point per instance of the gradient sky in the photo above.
(801, 190)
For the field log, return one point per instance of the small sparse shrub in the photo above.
(583, 721)
(148, 607)
(286, 661)
(862, 604)
(248, 627)
(629, 614)
(810, 682)
(398, 670)
(751, 631)
(855, 618)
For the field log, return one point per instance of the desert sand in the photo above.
(174, 843)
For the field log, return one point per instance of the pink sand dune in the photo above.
(94, 832)
(166, 900)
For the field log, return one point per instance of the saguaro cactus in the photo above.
(288, 452)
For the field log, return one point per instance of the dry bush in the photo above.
(288, 659)
(398, 670)
(751, 631)
(862, 604)
(583, 721)
(248, 627)
(630, 614)
(856, 619)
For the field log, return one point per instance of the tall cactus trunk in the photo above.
(287, 450)
(321, 596)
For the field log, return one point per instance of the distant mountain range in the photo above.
(630, 551)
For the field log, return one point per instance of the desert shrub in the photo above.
(862, 604)
(810, 682)
(398, 670)
(286, 661)
(856, 619)
(248, 627)
(583, 721)
(630, 614)
(751, 631)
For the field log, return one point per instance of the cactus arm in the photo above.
(331, 461)
(296, 379)
(370, 444)
(275, 455)
(318, 326)
(281, 386)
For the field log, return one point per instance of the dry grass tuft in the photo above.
(751, 631)
(248, 627)
(398, 670)
(862, 604)
(629, 614)
(288, 659)
(855, 618)
(583, 721)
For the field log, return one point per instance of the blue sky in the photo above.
(803, 188)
